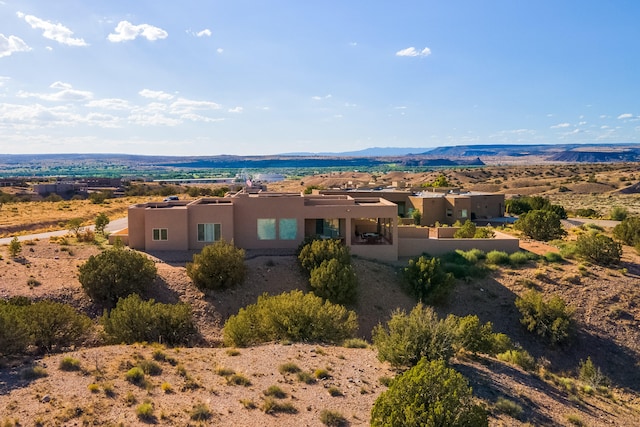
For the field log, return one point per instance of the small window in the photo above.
(208, 232)
(288, 228)
(266, 228)
(160, 234)
(463, 213)
(449, 212)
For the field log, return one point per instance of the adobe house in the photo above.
(444, 207)
(263, 220)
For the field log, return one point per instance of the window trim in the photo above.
(160, 233)
(216, 236)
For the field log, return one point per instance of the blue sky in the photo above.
(265, 77)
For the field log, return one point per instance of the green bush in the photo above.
(116, 273)
(101, 221)
(53, 325)
(292, 316)
(497, 257)
(315, 252)
(540, 225)
(628, 231)
(427, 280)
(68, 363)
(553, 257)
(587, 213)
(430, 394)
(599, 249)
(484, 233)
(332, 418)
(589, 373)
(217, 266)
(144, 411)
(334, 281)
(14, 334)
(135, 375)
(518, 258)
(518, 357)
(464, 264)
(476, 337)
(134, 320)
(15, 247)
(200, 412)
(618, 213)
(509, 407)
(552, 319)
(408, 338)
(467, 231)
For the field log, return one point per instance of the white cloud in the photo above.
(219, 50)
(412, 51)
(561, 125)
(125, 30)
(236, 110)
(155, 94)
(185, 106)
(625, 116)
(206, 32)
(12, 44)
(65, 93)
(353, 44)
(109, 104)
(156, 119)
(319, 98)
(57, 32)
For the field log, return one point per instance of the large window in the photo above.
(266, 228)
(208, 232)
(463, 213)
(328, 227)
(287, 228)
(160, 233)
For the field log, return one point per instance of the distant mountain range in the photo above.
(461, 155)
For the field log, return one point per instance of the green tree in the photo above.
(599, 249)
(14, 335)
(628, 231)
(334, 281)
(74, 225)
(313, 253)
(15, 247)
(441, 181)
(417, 216)
(102, 220)
(428, 395)
(54, 325)
(217, 266)
(551, 319)
(291, 316)
(134, 320)
(405, 339)
(116, 273)
(467, 231)
(427, 280)
(540, 225)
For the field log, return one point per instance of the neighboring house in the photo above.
(368, 224)
(444, 207)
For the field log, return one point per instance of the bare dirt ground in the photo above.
(607, 306)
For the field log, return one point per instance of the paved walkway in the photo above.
(115, 225)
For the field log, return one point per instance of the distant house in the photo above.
(280, 221)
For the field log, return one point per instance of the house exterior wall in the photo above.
(172, 218)
(210, 213)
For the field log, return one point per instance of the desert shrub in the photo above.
(135, 375)
(15, 247)
(628, 231)
(509, 407)
(476, 337)
(334, 391)
(518, 357)
(68, 363)
(484, 233)
(200, 412)
(166, 387)
(288, 368)
(427, 280)
(134, 320)
(93, 387)
(334, 281)
(355, 343)
(315, 252)
(599, 249)
(618, 213)
(116, 273)
(54, 325)
(291, 316)
(332, 418)
(33, 372)
(271, 406)
(463, 264)
(467, 231)
(275, 391)
(149, 367)
(321, 374)
(589, 373)
(14, 335)
(429, 394)
(551, 319)
(405, 339)
(587, 213)
(497, 257)
(540, 225)
(518, 258)
(217, 266)
(144, 411)
(552, 257)
(305, 377)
